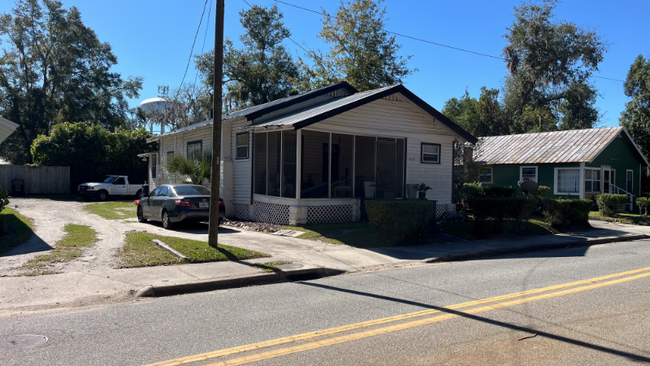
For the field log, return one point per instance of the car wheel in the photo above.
(139, 195)
(102, 195)
(166, 222)
(141, 215)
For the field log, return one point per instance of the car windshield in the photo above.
(110, 179)
(191, 191)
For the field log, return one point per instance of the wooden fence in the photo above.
(37, 180)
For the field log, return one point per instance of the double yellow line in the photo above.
(497, 302)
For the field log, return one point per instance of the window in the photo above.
(485, 175)
(155, 192)
(430, 153)
(153, 166)
(567, 180)
(528, 173)
(194, 149)
(242, 145)
(592, 180)
(260, 157)
(119, 181)
(164, 191)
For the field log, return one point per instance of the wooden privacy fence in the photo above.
(38, 179)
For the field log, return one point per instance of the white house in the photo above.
(314, 157)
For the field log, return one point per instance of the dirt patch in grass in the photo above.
(623, 218)
(18, 229)
(70, 247)
(464, 229)
(140, 251)
(355, 234)
(271, 266)
(112, 210)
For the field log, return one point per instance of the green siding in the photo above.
(620, 155)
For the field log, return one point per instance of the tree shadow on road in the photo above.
(631, 356)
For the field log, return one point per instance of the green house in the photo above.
(574, 163)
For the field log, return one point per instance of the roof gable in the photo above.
(572, 146)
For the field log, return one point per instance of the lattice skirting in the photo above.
(329, 214)
(441, 211)
(242, 211)
(272, 213)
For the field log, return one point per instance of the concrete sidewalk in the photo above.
(309, 260)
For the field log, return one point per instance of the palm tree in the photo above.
(197, 169)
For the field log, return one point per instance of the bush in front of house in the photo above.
(4, 201)
(608, 204)
(499, 191)
(541, 191)
(564, 212)
(500, 208)
(405, 218)
(643, 203)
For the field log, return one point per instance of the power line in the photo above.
(205, 36)
(424, 40)
(291, 39)
(189, 59)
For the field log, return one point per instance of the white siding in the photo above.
(399, 117)
(242, 168)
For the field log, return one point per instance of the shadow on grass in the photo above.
(465, 229)
(18, 232)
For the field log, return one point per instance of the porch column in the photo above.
(582, 181)
(298, 163)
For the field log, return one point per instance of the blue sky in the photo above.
(152, 39)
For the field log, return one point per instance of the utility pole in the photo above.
(213, 233)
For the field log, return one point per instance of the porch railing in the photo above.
(618, 190)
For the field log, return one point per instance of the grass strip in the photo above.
(464, 229)
(623, 218)
(18, 229)
(271, 266)
(355, 234)
(140, 251)
(112, 210)
(68, 248)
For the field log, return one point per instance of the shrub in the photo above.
(608, 203)
(499, 191)
(643, 203)
(405, 218)
(500, 208)
(541, 191)
(562, 212)
(4, 201)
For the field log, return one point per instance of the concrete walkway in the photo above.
(309, 259)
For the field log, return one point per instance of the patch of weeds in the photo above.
(112, 210)
(271, 266)
(66, 249)
(18, 229)
(140, 251)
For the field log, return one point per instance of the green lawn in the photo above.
(140, 251)
(355, 234)
(463, 230)
(112, 210)
(18, 227)
(623, 218)
(68, 248)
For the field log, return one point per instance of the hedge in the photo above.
(608, 203)
(500, 208)
(4, 201)
(563, 212)
(405, 218)
(643, 203)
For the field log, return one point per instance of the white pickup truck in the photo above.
(113, 185)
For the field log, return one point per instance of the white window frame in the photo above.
(600, 181)
(437, 155)
(247, 146)
(491, 175)
(521, 173)
(556, 185)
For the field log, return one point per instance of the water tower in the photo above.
(156, 110)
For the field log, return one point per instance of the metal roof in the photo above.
(572, 146)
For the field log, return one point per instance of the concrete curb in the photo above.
(235, 282)
(534, 248)
(319, 272)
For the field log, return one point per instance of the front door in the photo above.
(607, 180)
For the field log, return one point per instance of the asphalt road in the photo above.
(596, 321)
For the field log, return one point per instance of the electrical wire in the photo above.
(424, 40)
(189, 59)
